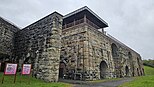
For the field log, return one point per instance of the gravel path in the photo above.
(113, 83)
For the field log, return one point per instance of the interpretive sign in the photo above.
(10, 69)
(26, 69)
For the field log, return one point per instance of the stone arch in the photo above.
(114, 50)
(62, 69)
(103, 70)
(126, 71)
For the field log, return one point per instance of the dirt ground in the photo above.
(113, 83)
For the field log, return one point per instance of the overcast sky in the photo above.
(130, 21)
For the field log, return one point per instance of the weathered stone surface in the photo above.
(73, 42)
(42, 42)
(7, 33)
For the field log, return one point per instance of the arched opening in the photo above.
(127, 71)
(114, 50)
(138, 74)
(142, 71)
(133, 72)
(62, 68)
(103, 70)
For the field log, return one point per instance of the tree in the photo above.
(149, 62)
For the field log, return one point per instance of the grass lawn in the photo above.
(25, 81)
(142, 81)
(149, 70)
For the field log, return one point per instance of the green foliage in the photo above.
(142, 81)
(26, 81)
(149, 63)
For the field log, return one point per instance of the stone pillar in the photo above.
(48, 53)
(53, 51)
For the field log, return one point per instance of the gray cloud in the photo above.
(129, 21)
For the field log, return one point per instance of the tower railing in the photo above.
(76, 22)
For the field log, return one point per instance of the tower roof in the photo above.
(79, 13)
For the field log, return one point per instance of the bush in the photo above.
(148, 63)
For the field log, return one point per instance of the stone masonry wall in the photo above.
(126, 57)
(82, 53)
(7, 32)
(99, 51)
(84, 48)
(39, 44)
(72, 51)
(78, 51)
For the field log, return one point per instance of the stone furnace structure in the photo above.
(74, 46)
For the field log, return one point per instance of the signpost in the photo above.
(10, 69)
(26, 69)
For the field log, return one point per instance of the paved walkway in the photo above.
(113, 83)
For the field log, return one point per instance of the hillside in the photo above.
(148, 70)
(142, 81)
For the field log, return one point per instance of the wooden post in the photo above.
(83, 63)
(85, 18)
(23, 73)
(15, 78)
(29, 75)
(20, 77)
(2, 78)
(8, 73)
(15, 74)
(74, 22)
(3, 74)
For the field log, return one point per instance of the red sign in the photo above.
(26, 69)
(10, 69)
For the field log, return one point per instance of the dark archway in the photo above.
(62, 68)
(138, 73)
(127, 71)
(133, 73)
(103, 70)
(114, 50)
(142, 71)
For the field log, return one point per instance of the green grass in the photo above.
(25, 81)
(149, 70)
(142, 81)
